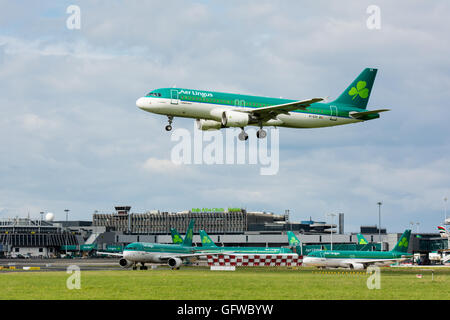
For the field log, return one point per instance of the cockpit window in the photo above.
(154, 94)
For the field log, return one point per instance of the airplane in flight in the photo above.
(217, 110)
(172, 254)
(359, 259)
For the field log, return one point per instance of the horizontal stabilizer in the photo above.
(360, 115)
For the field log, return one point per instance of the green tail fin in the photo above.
(176, 237)
(293, 240)
(206, 240)
(358, 93)
(189, 234)
(361, 239)
(403, 244)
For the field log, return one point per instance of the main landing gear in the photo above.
(169, 126)
(260, 134)
(143, 267)
(243, 136)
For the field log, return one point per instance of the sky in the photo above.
(72, 137)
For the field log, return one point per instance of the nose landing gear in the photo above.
(169, 126)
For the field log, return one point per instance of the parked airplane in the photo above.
(172, 254)
(359, 259)
(209, 246)
(361, 239)
(216, 110)
(176, 237)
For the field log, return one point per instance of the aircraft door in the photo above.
(333, 113)
(174, 96)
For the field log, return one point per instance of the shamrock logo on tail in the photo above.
(360, 90)
(177, 239)
(403, 243)
(205, 240)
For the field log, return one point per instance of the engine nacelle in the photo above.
(356, 266)
(235, 119)
(204, 125)
(124, 263)
(174, 263)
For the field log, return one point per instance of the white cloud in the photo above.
(161, 166)
(74, 136)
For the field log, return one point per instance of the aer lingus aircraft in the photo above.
(216, 110)
(361, 239)
(172, 254)
(210, 247)
(359, 259)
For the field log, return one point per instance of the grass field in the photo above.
(245, 283)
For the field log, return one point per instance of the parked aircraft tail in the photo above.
(403, 243)
(206, 240)
(176, 237)
(361, 239)
(189, 234)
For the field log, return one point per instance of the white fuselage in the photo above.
(211, 111)
(343, 263)
(143, 256)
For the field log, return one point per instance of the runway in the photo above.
(14, 265)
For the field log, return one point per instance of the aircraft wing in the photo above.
(267, 113)
(380, 262)
(187, 255)
(111, 254)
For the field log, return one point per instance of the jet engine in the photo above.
(124, 263)
(356, 266)
(204, 125)
(174, 263)
(235, 119)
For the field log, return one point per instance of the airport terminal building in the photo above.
(227, 227)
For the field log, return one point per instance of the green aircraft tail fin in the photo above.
(176, 237)
(358, 93)
(403, 244)
(361, 239)
(293, 240)
(189, 234)
(206, 240)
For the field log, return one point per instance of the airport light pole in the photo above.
(445, 209)
(40, 223)
(379, 224)
(332, 215)
(67, 221)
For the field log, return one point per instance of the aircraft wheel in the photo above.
(168, 127)
(261, 134)
(243, 136)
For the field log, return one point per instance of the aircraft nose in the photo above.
(142, 103)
